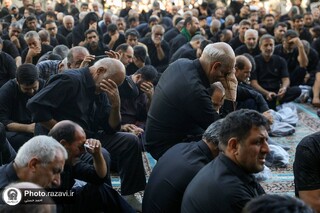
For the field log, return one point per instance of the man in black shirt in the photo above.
(164, 191)
(306, 170)
(227, 183)
(93, 43)
(35, 49)
(271, 77)
(14, 96)
(89, 96)
(181, 107)
(250, 45)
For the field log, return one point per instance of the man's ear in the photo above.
(101, 70)
(33, 164)
(63, 142)
(233, 145)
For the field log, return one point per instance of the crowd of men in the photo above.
(84, 92)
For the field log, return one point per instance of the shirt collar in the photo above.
(205, 150)
(202, 74)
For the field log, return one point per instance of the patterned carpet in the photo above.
(281, 179)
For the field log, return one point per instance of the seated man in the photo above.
(93, 43)
(35, 49)
(91, 99)
(250, 43)
(14, 96)
(181, 108)
(97, 195)
(8, 66)
(306, 171)
(227, 183)
(40, 160)
(176, 168)
(136, 95)
(271, 77)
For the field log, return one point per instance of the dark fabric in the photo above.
(61, 39)
(316, 45)
(171, 34)
(8, 175)
(244, 49)
(190, 54)
(101, 50)
(304, 34)
(7, 153)
(80, 104)
(306, 168)
(7, 69)
(17, 139)
(126, 151)
(107, 39)
(164, 190)
(63, 31)
(180, 51)
(180, 107)
(23, 44)
(10, 48)
(44, 48)
(245, 95)
(269, 74)
(235, 43)
(160, 65)
(221, 185)
(177, 42)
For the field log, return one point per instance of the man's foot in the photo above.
(135, 201)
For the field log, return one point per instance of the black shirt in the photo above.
(220, 186)
(235, 43)
(101, 50)
(306, 168)
(164, 190)
(13, 103)
(178, 53)
(244, 49)
(10, 48)
(181, 106)
(78, 102)
(121, 40)
(269, 74)
(8, 175)
(291, 58)
(7, 69)
(44, 48)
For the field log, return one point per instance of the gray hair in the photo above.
(157, 26)
(31, 34)
(255, 32)
(67, 17)
(219, 51)
(61, 50)
(212, 133)
(43, 147)
(76, 49)
(216, 23)
(198, 38)
(230, 18)
(16, 25)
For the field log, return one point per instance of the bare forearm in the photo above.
(18, 127)
(100, 165)
(302, 57)
(28, 59)
(114, 117)
(18, 61)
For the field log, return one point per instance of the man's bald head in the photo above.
(108, 68)
(65, 130)
(243, 68)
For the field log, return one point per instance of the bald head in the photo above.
(217, 60)
(108, 68)
(65, 130)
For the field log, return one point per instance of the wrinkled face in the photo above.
(222, 70)
(32, 25)
(78, 57)
(29, 90)
(251, 40)
(279, 32)
(244, 74)
(76, 148)
(269, 22)
(252, 151)
(157, 35)
(267, 48)
(52, 29)
(92, 39)
(298, 24)
(308, 20)
(217, 99)
(126, 57)
(243, 29)
(68, 23)
(13, 31)
(132, 40)
(33, 43)
(48, 175)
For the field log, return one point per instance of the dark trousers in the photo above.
(7, 153)
(291, 94)
(96, 198)
(126, 152)
(86, 157)
(297, 76)
(17, 139)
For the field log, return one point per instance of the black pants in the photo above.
(291, 94)
(126, 152)
(7, 153)
(17, 139)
